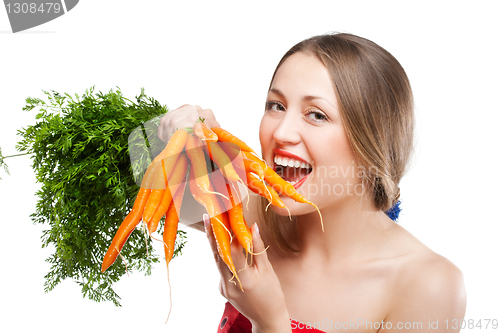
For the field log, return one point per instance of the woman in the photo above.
(339, 121)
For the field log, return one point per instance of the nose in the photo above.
(287, 131)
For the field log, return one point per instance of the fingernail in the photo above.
(206, 220)
(256, 229)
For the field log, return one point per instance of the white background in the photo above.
(221, 55)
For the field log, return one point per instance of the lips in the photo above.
(291, 167)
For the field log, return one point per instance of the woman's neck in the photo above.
(353, 231)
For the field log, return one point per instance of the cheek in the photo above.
(330, 147)
(335, 160)
(341, 149)
(266, 131)
(344, 151)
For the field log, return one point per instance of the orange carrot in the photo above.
(232, 150)
(204, 132)
(234, 153)
(171, 152)
(174, 182)
(172, 222)
(195, 154)
(156, 195)
(284, 187)
(174, 147)
(149, 175)
(234, 209)
(257, 186)
(218, 155)
(240, 170)
(253, 166)
(252, 157)
(218, 221)
(223, 242)
(208, 201)
(225, 136)
(237, 220)
(128, 225)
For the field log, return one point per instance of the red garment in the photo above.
(234, 322)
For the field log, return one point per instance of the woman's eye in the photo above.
(274, 106)
(316, 116)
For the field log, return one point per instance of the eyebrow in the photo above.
(305, 98)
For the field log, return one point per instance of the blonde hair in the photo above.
(376, 107)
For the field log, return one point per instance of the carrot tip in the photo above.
(170, 293)
(320, 216)
(231, 280)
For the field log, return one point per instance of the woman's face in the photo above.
(302, 129)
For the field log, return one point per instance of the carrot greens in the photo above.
(80, 154)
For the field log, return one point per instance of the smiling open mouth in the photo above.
(292, 170)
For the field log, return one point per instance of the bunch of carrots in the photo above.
(164, 182)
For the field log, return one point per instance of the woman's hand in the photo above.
(183, 117)
(262, 300)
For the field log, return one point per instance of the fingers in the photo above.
(209, 117)
(184, 117)
(239, 258)
(239, 255)
(260, 259)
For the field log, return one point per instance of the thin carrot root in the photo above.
(246, 262)
(158, 240)
(222, 195)
(124, 261)
(320, 216)
(235, 274)
(231, 280)
(269, 192)
(256, 254)
(145, 239)
(270, 195)
(169, 293)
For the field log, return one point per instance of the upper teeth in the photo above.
(290, 162)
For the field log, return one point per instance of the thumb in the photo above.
(259, 249)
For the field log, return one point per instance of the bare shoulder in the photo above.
(427, 287)
(425, 270)
(430, 276)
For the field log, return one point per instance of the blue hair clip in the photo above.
(394, 211)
